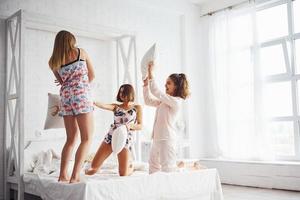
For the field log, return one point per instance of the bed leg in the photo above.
(15, 194)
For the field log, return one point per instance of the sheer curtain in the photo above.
(236, 111)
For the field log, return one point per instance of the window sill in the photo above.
(295, 163)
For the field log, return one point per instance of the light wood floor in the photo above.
(248, 193)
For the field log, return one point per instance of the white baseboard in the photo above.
(279, 175)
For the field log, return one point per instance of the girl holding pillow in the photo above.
(127, 113)
(74, 72)
(162, 153)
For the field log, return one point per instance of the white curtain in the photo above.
(236, 117)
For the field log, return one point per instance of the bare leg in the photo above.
(85, 123)
(72, 132)
(102, 153)
(125, 162)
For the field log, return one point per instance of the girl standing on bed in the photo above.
(74, 71)
(162, 153)
(127, 113)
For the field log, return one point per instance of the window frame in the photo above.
(291, 76)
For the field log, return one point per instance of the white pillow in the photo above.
(35, 147)
(150, 55)
(53, 120)
(118, 140)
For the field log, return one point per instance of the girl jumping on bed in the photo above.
(74, 72)
(162, 153)
(127, 113)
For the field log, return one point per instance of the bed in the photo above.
(201, 184)
(42, 163)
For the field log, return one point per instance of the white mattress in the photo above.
(201, 184)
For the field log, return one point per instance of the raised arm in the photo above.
(110, 107)
(163, 97)
(148, 98)
(91, 71)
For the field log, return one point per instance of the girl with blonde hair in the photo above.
(74, 71)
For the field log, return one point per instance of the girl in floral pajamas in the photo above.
(74, 71)
(126, 113)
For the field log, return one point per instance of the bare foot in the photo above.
(181, 164)
(91, 171)
(198, 166)
(74, 180)
(63, 179)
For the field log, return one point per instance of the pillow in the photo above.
(118, 140)
(53, 120)
(35, 147)
(150, 55)
(47, 162)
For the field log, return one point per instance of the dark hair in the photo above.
(181, 84)
(128, 92)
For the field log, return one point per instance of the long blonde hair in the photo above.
(64, 43)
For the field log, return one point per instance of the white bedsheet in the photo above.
(200, 185)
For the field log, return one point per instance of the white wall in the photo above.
(152, 21)
(195, 71)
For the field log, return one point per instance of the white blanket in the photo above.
(108, 185)
(201, 184)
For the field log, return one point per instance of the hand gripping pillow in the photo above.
(53, 120)
(150, 55)
(118, 140)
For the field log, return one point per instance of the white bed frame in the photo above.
(16, 26)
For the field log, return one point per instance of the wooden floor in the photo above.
(248, 193)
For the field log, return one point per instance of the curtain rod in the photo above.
(226, 8)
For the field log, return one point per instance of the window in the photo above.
(279, 48)
(282, 136)
(297, 50)
(266, 27)
(296, 9)
(277, 99)
(254, 58)
(272, 59)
